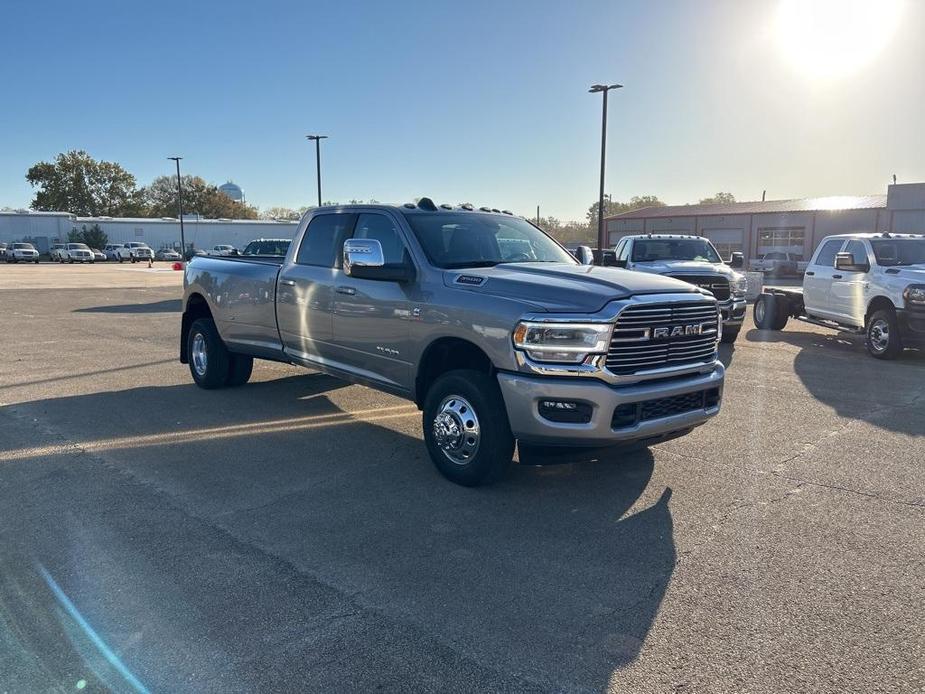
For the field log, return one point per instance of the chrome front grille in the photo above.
(715, 284)
(652, 336)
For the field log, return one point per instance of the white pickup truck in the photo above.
(870, 284)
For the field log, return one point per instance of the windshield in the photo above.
(899, 252)
(78, 246)
(23, 246)
(654, 250)
(268, 247)
(470, 239)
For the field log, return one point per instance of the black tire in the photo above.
(240, 367)
(455, 395)
(213, 371)
(730, 335)
(36, 261)
(121, 259)
(770, 313)
(883, 338)
(133, 259)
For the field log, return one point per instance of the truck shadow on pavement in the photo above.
(556, 573)
(837, 370)
(164, 306)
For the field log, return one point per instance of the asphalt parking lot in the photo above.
(292, 535)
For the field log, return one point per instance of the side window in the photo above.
(381, 228)
(324, 238)
(858, 250)
(623, 252)
(826, 254)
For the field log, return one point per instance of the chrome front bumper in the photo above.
(523, 394)
(733, 310)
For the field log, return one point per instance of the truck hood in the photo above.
(692, 267)
(561, 288)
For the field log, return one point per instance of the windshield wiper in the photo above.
(471, 263)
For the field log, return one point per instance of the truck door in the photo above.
(304, 297)
(817, 283)
(848, 287)
(371, 317)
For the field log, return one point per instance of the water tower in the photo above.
(233, 191)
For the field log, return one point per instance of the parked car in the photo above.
(21, 252)
(271, 247)
(75, 253)
(134, 251)
(2, 250)
(167, 254)
(692, 259)
(98, 255)
(57, 252)
(223, 250)
(776, 264)
(112, 250)
(425, 303)
(867, 284)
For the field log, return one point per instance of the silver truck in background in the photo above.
(480, 318)
(692, 259)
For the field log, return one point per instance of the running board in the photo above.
(832, 325)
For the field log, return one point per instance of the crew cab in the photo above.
(135, 251)
(870, 284)
(490, 326)
(21, 253)
(111, 250)
(692, 259)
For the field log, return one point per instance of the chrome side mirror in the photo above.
(585, 255)
(737, 260)
(362, 253)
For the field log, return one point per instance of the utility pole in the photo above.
(180, 208)
(537, 215)
(603, 88)
(317, 139)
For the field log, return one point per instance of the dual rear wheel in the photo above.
(210, 363)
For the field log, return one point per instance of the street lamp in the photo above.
(180, 207)
(317, 139)
(604, 88)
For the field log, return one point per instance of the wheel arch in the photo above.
(447, 354)
(196, 307)
(878, 303)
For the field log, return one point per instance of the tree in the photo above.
(94, 237)
(719, 199)
(75, 182)
(280, 213)
(566, 233)
(612, 207)
(199, 197)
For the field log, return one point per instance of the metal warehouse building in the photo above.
(45, 228)
(789, 226)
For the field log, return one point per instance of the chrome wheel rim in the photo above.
(879, 335)
(456, 430)
(198, 354)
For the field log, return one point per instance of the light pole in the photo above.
(180, 208)
(317, 139)
(601, 241)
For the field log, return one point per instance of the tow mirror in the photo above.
(737, 260)
(849, 263)
(364, 259)
(585, 255)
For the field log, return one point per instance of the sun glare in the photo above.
(827, 39)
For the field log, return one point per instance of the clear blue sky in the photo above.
(481, 102)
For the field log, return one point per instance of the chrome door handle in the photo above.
(288, 283)
(350, 291)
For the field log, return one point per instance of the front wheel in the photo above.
(730, 335)
(883, 339)
(466, 429)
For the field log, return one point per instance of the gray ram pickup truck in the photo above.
(490, 326)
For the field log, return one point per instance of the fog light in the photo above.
(625, 415)
(567, 411)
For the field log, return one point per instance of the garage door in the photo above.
(726, 240)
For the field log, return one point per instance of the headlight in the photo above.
(739, 284)
(562, 342)
(915, 294)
